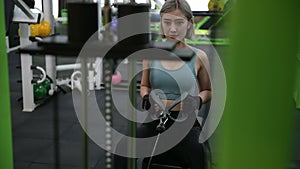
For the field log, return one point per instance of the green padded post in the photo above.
(297, 82)
(297, 85)
(257, 128)
(6, 157)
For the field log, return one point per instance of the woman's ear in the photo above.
(190, 23)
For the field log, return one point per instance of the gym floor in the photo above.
(36, 145)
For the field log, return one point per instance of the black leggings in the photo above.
(187, 153)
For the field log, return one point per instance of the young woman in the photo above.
(169, 79)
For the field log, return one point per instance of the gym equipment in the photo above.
(47, 84)
(34, 30)
(43, 74)
(42, 85)
(106, 13)
(116, 78)
(216, 5)
(64, 15)
(88, 12)
(24, 16)
(52, 47)
(261, 127)
(164, 115)
(75, 81)
(41, 29)
(44, 28)
(40, 91)
(6, 143)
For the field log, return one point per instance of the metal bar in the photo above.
(26, 62)
(84, 112)
(107, 72)
(132, 110)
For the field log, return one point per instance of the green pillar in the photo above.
(6, 157)
(257, 125)
(297, 82)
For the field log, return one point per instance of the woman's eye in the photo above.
(167, 22)
(179, 23)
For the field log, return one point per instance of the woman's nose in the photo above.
(173, 28)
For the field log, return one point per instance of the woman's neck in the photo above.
(181, 45)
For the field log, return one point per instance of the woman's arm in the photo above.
(145, 84)
(202, 66)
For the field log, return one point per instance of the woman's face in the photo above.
(174, 25)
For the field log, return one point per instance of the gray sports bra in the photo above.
(170, 84)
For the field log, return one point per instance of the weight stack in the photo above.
(135, 24)
(82, 21)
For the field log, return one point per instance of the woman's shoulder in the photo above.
(200, 55)
(146, 63)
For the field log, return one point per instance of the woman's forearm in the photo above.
(205, 95)
(144, 90)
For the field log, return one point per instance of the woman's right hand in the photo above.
(148, 102)
(156, 107)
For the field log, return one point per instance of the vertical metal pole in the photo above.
(132, 125)
(26, 62)
(6, 151)
(48, 13)
(258, 121)
(99, 20)
(99, 61)
(99, 72)
(56, 125)
(50, 60)
(84, 110)
(107, 71)
(50, 63)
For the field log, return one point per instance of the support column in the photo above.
(258, 122)
(6, 151)
(26, 62)
(50, 60)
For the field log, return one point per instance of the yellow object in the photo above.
(216, 5)
(202, 32)
(34, 30)
(44, 28)
(41, 29)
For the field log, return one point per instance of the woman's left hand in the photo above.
(191, 103)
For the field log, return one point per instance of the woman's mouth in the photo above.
(173, 36)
